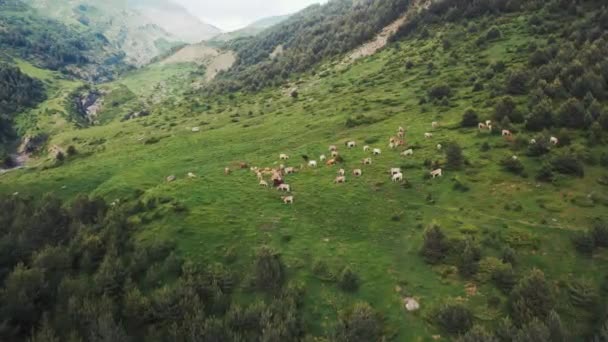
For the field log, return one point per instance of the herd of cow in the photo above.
(277, 174)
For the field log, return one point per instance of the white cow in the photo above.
(377, 151)
(401, 129)
(514, 157)
(488, 122)
(334, 154)
(287, 199)
(312, 163)
(439, 147)
(191, 175)
(395, 170)
(351, 144)
(283, 156)
(554, 140)
(322, 157)
(406, 153)
(437, 173)
(357, 172)
(392, 145)
(332, 148)
(398, 177)
(435, 124)
(428, 135)
(289, 170)
(284, 187)
(506, 133)
(365, 148)
(340, 179)
(341, 172)
(367, 161)
(263, 183)
(481, 126)
(532, 141)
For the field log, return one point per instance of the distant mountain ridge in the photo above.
(143, 29)
(252, 29)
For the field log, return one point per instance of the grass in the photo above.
(371, 224)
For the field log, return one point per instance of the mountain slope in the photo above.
(175, 20)
(252, 29)
(510, 241)
(142, 29)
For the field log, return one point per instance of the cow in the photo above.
(398, 177)
(392, 145)
(350, 144)
(312, 163)
(334, 154)
(357, 172)
(377, 151)
(400, 135)
(488, 122)
(365, 148)
(227, 171)
(341, 172)
(191, 175)
(554, 140)
(395, 170)
(331, 162)
(506, 133)
(401, 129)
(340, 179)
(322, 157)
(406, 153)
(289, 170)
(287, 199)
(263, 183)
(332, 148)
(428, 135)
(283, 156)
(514, 157)
(259, 175)
(367, 161)
(532, 141)
(481, 126)
(284, 187)
(439, 147)
(437, 173)
(435, 124)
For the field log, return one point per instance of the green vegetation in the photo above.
(509, 245)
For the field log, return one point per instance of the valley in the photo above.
(160, 225)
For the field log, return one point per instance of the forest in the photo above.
(55, 46)
(310, 36)
(17, 92)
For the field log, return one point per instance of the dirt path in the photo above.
(382, 38)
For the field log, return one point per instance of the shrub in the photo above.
(440, 91)
(545, 174)
(360, 324)
(512, 165)
(568, 165)
(584, 243)
(517, 82)
(435, 246)
(454, 156)
(531, 298)
(71, 151)
(454, 318)
(468, 258)
(506, 107)
(349, 281)
(571, 114)
(469, 118)
(541, 116)
(493, 33)
(269, 269)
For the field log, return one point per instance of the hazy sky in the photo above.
(230, 15)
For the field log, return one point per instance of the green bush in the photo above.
(454, 318)
(435, 246)
(440, 91)
(469, 118)
(359, 324)
(568, 165)
(349, 281)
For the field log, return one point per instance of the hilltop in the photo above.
(158, 227)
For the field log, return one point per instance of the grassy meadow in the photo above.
(371, 224)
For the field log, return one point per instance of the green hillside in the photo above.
(508, 245)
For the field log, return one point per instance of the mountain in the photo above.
(401, 171)
(143, 29)
(252, 29)
(175, 19)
